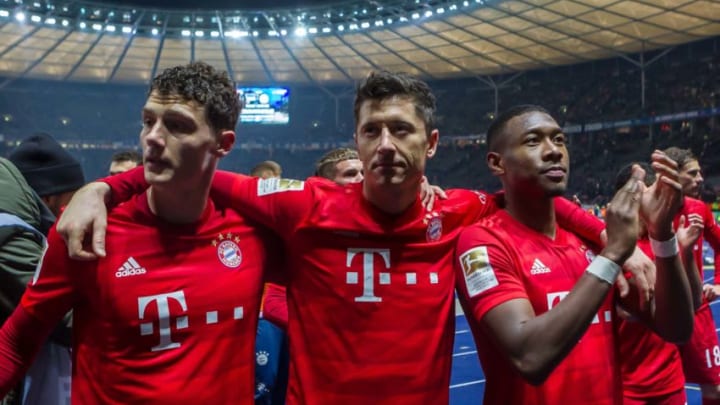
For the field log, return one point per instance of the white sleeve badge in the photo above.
(278, 185)
(477, 271)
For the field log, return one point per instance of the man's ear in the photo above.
(433, 143)
(226, 140)
(495, 164)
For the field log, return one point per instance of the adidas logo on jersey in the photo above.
(130, 268)
(539, 268)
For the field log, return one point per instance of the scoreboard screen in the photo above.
(264, 105)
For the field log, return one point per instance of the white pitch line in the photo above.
(467, 383)
(464, 353)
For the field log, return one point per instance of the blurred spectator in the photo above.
(124, 161)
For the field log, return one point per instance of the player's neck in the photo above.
(393, 200)
(178, 206)
(536, 213)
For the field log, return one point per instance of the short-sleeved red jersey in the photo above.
(370, 295)
(498, 260)
(651, 366)
(154, 322)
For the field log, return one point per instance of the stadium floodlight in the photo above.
(353, 26)
(185, 33)
(312, 30)
(466, 3)
(389, 20)
(365, 24)
(35, 18)
(255, 33)
(20, 16)
(97, 27)
(214, 34)
(453, 7)
(65, 23)
(4, 13)
(272, 33)
(428, 13)
(50, 21)
(126, 30)
(341, 28)
(154, 31)
(110, 28)
(283, 32)
(415, 16)
(379, 23)
(82, 25)
(403, 19)
(300, 32)
(199, 33)
(326, 30)
(440, 10)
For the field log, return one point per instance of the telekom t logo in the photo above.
(368, 272)
(163, 310)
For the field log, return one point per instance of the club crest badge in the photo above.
(228, 250)
(434, 226)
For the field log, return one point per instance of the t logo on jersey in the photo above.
(368, 272)
(163, 310)
(555, 298)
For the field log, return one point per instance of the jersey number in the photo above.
(714, 358)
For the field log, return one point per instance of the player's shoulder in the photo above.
(694, 205)
(459, 198)
(492, 228)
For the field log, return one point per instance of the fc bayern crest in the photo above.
(434, 228)
(228, 250)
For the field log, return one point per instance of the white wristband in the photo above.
(668, 248)
(604, 269)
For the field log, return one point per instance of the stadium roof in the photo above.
(323, 44)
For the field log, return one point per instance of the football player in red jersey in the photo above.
(153, 322)
(537, 298)
(701, 355)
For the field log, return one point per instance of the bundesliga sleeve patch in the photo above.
(477, 271)
(278, 185)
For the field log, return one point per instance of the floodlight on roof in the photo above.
(214, 34)
(341, 28)
(428, 13)
(440, 10)
(199, 33)
(312, 30)
(35, 18)
(110, 28)
(97, 27)
(415, 16)
(154, 31)
(364, 24)
(65, 23)
(4, 13)
(300, 32)
(50, 21)
(326, 30)
(20, 16)
(126, 30)
(185, 33)
(283, 32)
(82, 25)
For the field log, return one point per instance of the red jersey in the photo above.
(500, 259)
(651, 366)
(711, 231)
(274, 305)
(154, 322)
(370, 295)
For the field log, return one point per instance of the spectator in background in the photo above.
(267, 169)
(49, 169)
(124, 161)
(341, 165)
(54, 175)
(703, 345)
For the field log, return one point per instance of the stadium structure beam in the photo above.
(409, 62)
(363, 57)
(338, 67)
(269, 74)
(7, 81)
(495, 87)
(19, 41)
(221, 31)
(87, 52)
(160, 48)
(192, 38)
(127, 45)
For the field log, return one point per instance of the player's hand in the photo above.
(643, 277)
(622, 222)
(428, 194)
(711, 292)
(662, 201)
(86, 213)
(689, 232)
